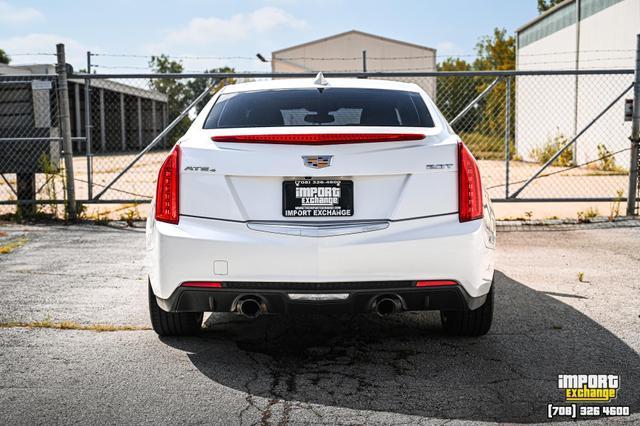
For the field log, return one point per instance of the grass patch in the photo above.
(72, 325)
(550, 148)
(587, 215)
(13, 245)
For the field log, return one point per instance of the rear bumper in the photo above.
(433, 248)
(361, 297)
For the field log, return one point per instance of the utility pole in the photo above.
(635, 138)
(65, 127)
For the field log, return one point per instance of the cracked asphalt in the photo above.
(311, 369)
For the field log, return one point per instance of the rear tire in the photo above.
(173, 323)
(469, 323)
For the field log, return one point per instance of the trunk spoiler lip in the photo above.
(319, 138)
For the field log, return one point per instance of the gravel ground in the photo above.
(314, 369)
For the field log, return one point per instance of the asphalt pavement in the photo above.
(567, 302)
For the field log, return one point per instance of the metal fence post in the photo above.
(65, 125)
(635, 138)
(88, 127)
(507, 135)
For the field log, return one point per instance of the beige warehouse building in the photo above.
(344, 53)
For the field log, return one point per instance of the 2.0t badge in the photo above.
(317, 161)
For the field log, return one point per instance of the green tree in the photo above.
(181, 92)
(496, 52)
(544, 5)
(455, 92)
(198, 85)
(483, 126)
(175, 89)
(4, 58)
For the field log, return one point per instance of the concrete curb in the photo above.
(600, 222)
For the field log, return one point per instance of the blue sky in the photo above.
(226, 28)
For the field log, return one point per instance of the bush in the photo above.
(607, 161)
(549, 149)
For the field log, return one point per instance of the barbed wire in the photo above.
(423, 68)
(31, 54)
(350, 58)
(427, 68)
(147, 68)
(133, 55)
(321, 58)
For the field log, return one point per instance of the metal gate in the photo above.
(537, 135)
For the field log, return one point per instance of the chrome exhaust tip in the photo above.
(250, 308)
(385, 306)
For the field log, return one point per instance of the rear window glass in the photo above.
(319, 107)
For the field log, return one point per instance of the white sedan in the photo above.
(325, 195)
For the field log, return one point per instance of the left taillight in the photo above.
(168, 189)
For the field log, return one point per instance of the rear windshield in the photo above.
(319, 107)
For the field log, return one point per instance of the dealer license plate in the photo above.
(317, 198)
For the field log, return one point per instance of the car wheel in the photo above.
(469, 323)
(173, 323)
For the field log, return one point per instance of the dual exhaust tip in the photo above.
(383, 306)
(250, 307)
(386, 305)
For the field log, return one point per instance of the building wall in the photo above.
(546, 105)
(329, 55)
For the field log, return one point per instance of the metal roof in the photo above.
(105, 84)
(362, 33)
(544, 14)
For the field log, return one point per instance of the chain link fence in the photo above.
(521, 126)
(31, 166)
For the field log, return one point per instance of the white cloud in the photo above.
(76, 52)
(238, 27)
(448, 48)
(14, 15)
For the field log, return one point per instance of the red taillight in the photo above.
(202, 284)
(435, 283)
(469, 186)
(168, 189)
(320, 138)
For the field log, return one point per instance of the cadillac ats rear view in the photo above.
(325, 195)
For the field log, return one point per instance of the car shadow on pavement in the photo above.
(405, 364)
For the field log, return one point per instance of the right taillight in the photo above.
(469, 186)
(168, 189)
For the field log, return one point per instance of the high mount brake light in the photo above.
(320, 138)
(168, 189)
(469, 186)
